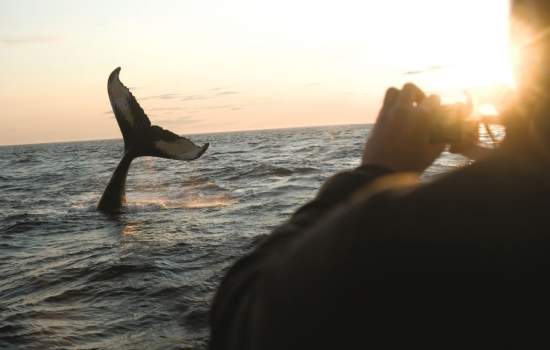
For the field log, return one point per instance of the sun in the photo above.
(483, 66)
(475, 57)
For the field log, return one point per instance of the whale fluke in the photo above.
(140, 139)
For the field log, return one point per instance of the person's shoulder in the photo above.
(400, 189)
(469, 182)
(493, 181)
(494, 196)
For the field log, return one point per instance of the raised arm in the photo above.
(317, 263)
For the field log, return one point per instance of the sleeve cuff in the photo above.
(342, 185)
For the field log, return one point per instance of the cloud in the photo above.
(170, 96)
(227, 92)
(208, 96)
(426, 70)
(220, 124)
(166, 109)
(110, 113)
(183, 120)
(213, 93)
(228, 107)
(30, 39)
(195, 98)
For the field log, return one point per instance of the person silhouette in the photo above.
(377, 258)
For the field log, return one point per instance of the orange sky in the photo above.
(207, 66)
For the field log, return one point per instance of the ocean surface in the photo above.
(73, 278)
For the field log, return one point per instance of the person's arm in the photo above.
(229, 313)
(275, 294)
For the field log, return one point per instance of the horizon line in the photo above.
(191, 134)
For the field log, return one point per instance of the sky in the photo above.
(199, 66)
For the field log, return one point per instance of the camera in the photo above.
(452, 124)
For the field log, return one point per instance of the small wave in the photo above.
(115, 271)
(5, 245)
(24, 160)
(201, 192)
(66, 295)
(306, 170)
(205, 186)
(196, 182)
(144, 205)
(262, 147)
(343, 153)
(20, 227)
(309, 148)
(197, 202)
(232, 152)
(178, 200)
(81, 207)
(149, 187)
(210, 202)
(169, 292)
(263, 170)
(273, 191)
(20, 223)
(9, 328)
(16, 217)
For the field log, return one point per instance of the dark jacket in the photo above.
(370, 262)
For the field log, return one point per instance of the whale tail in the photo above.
(140, 139)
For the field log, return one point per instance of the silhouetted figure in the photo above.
(140, 139)
(377, 260)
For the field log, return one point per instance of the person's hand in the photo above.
(469, 145)
(400, 139)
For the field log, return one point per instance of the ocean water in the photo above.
(73, 278)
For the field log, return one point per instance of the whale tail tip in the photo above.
(140, 137)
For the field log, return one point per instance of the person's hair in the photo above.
(536, 11)
(531, 30)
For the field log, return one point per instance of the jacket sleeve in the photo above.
(236, 317)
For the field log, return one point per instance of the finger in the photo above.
(430, 109)
(392, 94)
(471, 131)
(469, 107)
(431, 104)
(410, 94)
(462, 111)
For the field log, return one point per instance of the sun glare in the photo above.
(475, 57)
(487, 66)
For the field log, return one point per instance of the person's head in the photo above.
(530, 30)
(534, 12)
